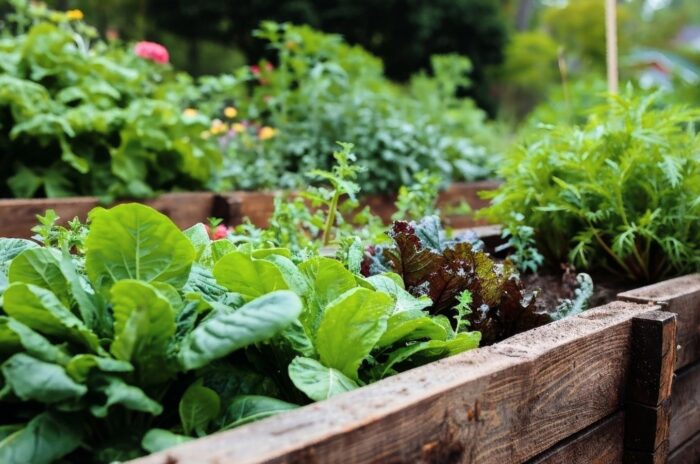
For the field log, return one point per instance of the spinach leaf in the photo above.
(226, 331)
(46, 438)
(133, 241)
(198, 407)
(350, 328)
(317, 381)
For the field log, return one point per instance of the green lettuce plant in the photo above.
(127, 335)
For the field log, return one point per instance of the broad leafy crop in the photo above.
(128, 335)
(621, 192)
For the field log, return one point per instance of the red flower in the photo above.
(152, 51)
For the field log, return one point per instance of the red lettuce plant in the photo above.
(442, 269)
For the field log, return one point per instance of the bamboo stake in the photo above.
(611, 44)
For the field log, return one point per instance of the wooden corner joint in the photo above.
(648, 393)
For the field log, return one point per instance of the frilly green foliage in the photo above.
(620, 192)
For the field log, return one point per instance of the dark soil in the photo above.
(553, 288)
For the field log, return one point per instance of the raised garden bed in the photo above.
(592, 388)
(682, 297)
(18, 216)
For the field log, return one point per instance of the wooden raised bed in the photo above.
(18, 216)
(682, 297)
(591, 388)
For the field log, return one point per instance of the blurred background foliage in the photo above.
(522, 51)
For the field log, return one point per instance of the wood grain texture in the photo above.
(653, 358)
(18, 216)
(687, 453)
(601, 443)
(680, 296)
(505, 403)
(685, 404)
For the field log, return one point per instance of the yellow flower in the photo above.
(74, 15)
(205, 134)
(238, 127)
(266, 133)
(190, 112)
(218, 127)
(230, 112)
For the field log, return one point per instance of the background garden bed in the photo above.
(594, 387)
(18, 216)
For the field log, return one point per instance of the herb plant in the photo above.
(621, 192)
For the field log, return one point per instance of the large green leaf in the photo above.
(199, 237)
(92, 307)
(424, 352)
(41, 267)
(116, 391)
(80, 366)
(158, 439)
(41, 310)
(45, 439)
(249, 408)
(226, 331)
(11, 247)
(318, 381)
(248, 276)
(414, 325)
(327, 279)
(198, 407)
(133, 241)
(33, 379)
(351, 326)
(15, 336)
(144, 321)
(393, 285)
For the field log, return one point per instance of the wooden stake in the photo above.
(611, 44)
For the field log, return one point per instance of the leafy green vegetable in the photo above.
(198, 406)
(226, 331)
(317, 381)
(350, 327)
(135, 242)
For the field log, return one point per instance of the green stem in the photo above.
(330, 220)
(610, 252)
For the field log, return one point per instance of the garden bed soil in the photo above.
(552, 288)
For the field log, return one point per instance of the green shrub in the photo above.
(621, 192)
(81, 117)
(324, 90)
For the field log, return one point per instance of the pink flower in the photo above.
(221, 231)
(152, 51)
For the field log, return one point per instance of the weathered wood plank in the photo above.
(648, 400)
(687, 453)
(18, 216)
(685, 401)
(680, 296)
(505, 403)
(601, 443)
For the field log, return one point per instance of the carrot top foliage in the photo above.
(621, 192)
